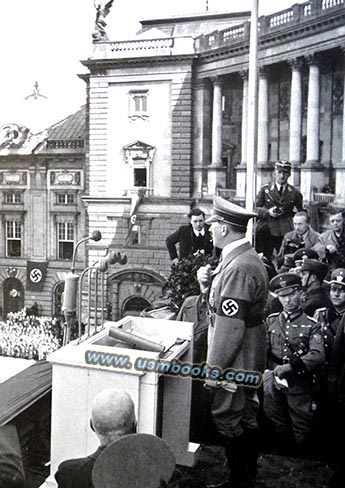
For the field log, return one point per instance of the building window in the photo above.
(135, 235)
(13, 239)
(65, 240)
(138, 104)
(65, 198)
(13, 197)
(140, 177)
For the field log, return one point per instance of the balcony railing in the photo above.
(323, 198)
(295, 15)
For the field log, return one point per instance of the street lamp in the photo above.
(100, 266)
(69, 304)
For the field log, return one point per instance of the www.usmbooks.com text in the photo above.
(201, 371)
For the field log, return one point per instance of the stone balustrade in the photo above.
(165, 46)
(295, 15)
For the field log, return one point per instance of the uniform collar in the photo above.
(232, 246)
(294, 315)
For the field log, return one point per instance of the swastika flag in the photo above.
(35, 275)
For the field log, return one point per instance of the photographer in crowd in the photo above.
(280, 201)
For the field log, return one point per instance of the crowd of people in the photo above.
(275, 306)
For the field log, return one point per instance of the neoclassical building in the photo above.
(167, 127)
(41, 212)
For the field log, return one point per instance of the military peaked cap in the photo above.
(315, 267)
(304, 253)
(283, 165)
(230, 213)
(337, 276)
(285, 283)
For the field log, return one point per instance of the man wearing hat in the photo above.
(332, 321)
(280, 200)
(236, 292)
(313, 272)
(294, 351)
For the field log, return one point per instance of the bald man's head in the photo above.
(112, 415)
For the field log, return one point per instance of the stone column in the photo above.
(263, 117)
(340, 167)
(198, 141)
(241, 168)
(312, 170)
(216, 170)
(263, 169)
(295, 142)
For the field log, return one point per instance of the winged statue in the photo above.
(100, 23)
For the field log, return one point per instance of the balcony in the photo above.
(140, 190)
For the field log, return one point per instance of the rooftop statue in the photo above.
(99, 33)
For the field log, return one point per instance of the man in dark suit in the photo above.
(236, 292)
(279, 201)
(112, 416)
(191, 238)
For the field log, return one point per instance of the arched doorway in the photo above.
(134, 305)
(132, 290)
(57, 299)
(13, 297)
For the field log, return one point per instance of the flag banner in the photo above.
(35, 275)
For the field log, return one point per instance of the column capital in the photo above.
(312, 59)
(200, 84)
(264, 71)
(216, 80)
(296, 63)
(244, 74)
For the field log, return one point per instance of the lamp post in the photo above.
(252, 116)
(100, 266)
(69, 304)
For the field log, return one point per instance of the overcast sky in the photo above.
(44, 41)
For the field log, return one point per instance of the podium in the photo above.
(162, 400)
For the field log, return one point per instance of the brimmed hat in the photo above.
(283, 165)
(337, 276)
(315, 267)
(304, 253)
(229, 213)
(285, 283)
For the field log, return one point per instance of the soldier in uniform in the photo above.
(332, 321)
(279, 200)
(236, 291)
(315, 296)
(294, 350)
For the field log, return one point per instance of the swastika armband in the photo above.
(232, 307)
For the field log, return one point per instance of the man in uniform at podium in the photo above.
(236, 292)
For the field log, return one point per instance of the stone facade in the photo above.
(167, 127)
(41, 211)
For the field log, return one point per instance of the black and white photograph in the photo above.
(172, 244)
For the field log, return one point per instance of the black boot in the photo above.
(252, 449)
(241, 470)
